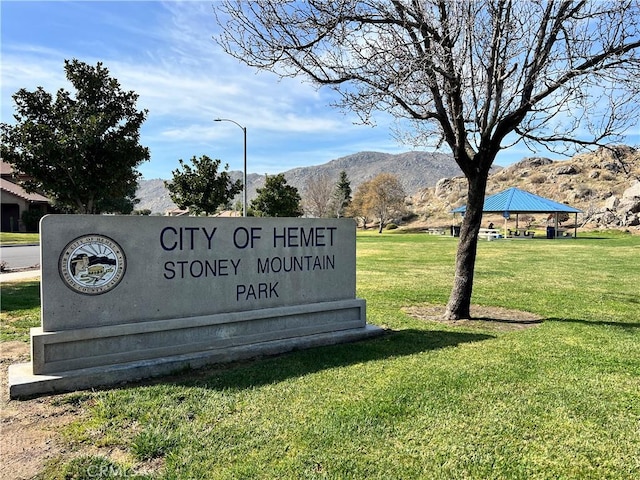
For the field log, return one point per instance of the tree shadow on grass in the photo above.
(632, 299)
(625, 300)
(20, 295)
(624, 325)
(267, 370)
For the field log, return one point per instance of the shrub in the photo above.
(538, 179)
(31, 219)
(583, 192)
(528, 220)
(409, 217)
(391, 226)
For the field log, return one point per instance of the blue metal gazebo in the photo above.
(516, 201)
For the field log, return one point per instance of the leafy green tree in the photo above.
(342, 195)
(277, 199)
(201, 188)
(81, 151)
(31, 218)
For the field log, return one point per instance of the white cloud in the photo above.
(164, 51)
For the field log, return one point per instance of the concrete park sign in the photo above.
(128, 297)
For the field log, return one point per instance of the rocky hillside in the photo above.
(416, 170)
(605, 185)
(153, 196)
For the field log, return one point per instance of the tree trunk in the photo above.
(460, 299)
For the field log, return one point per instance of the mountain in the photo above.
(153, 195)
(604, 184)
(416, 170)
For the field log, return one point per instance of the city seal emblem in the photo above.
(92, 264)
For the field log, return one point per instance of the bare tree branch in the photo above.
(476, 75)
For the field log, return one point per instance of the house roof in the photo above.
(514, 200)
(5, 169)
(18, 191)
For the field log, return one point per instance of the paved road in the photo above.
(21, 256)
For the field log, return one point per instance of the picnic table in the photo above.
(490, 233)
(520, 232)
(562, 233)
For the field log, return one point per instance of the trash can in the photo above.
(551, 232)
(455, 231)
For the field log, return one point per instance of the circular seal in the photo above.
(92, 264)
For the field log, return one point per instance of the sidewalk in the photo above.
(23, 275)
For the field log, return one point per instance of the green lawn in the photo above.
(20, 309)
(7, 238)
(559, 400)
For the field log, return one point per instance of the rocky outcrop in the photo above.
(621, 212)
(567, 170)
(604, 184)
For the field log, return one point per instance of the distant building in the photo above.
(176, 212)
(15, 201)
(228, 213)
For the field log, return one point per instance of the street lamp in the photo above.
(244, 178)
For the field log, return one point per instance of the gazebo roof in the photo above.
(514, 200)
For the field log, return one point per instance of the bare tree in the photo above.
(357, 210)
(381, 197)
(317, 196)
(476, 75)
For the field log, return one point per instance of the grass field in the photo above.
(7, 238)
(427, 400)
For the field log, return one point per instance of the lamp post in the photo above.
(244, 173)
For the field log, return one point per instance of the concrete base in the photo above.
(103, 356)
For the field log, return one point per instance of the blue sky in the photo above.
(164, 51)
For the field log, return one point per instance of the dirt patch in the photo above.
(29, 428)
(488, 318)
